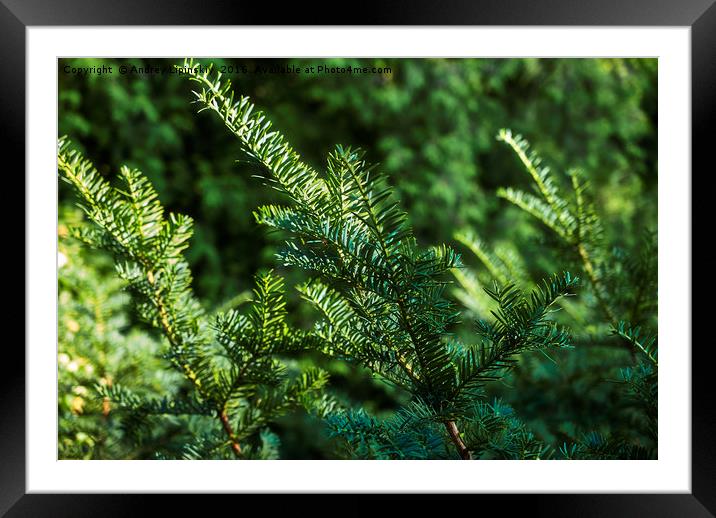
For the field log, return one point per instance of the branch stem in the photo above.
(235, 446)
(597, 285)
(174, 339)
(457, 440)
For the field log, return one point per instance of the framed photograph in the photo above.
(344, 258)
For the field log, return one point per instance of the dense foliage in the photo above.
(230, 360)
(367, 350)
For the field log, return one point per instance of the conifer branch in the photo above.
(578, 226)
(147, 250)
(596, 283)
(631, 335)
(383, 299)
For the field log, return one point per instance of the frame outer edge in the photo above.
(12, 382)
(703, 109)
(395, 12)
(12, 120)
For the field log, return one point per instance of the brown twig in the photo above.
(455, 437)
(235, 446)
(168, 330)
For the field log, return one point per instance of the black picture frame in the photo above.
(699, 15)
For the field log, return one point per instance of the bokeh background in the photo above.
(431, 125)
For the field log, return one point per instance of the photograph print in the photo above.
(328, 258)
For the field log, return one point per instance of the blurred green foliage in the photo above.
(431, 125)
(99, 346)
